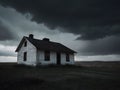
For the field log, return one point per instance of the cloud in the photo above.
(97, 34)
(92, 19)
(5, 34)
(106, 46)
(20, 25)
(7, 50)
(15, 25)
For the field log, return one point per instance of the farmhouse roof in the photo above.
(45, 44)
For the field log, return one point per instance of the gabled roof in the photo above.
(46, 45)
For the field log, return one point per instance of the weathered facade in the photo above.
(34, 52)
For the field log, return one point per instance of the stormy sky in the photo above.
(90, 27)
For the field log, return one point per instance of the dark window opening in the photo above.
(47, 55)
(25, 44)
(25, 56)
(58, 58)
(67, 57)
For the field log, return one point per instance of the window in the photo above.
(67, 58)
(47, 55)
(25, 44)
(25, 56)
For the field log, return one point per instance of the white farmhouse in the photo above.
(34, 52)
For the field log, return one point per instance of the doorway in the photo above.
(58, 59)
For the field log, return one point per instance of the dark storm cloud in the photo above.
(5, 33)
(92, 19)
(106, 46)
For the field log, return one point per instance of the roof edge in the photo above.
(19, 45)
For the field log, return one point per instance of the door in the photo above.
(58, 59)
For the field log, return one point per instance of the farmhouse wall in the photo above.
(63, 59)
(31, 54)
(41, 58)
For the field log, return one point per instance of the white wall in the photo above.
(72, 59)
(53, 59)
(63, 59)
(41, 58)
(31, 54)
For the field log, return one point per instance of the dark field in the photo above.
(19, 77)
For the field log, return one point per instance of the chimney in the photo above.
(31, 36)
(46, 39)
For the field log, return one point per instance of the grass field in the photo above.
(15, 77)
